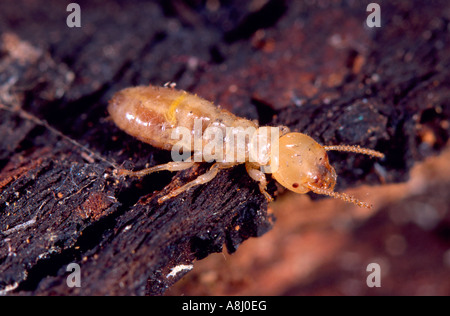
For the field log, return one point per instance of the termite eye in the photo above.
(295, 185)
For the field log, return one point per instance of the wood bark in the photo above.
(319, 70)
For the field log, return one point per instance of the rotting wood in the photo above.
(383, 89)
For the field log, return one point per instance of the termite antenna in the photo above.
(337, 195)
(355, 149)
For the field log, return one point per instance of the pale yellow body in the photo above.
(151, 113)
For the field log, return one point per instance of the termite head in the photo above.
(303, 166)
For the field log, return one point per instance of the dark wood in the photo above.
(316, 69)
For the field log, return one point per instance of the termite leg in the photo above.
(202, 179)
(260, 177)
(171, 166)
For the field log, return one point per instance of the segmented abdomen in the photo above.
(151, 113)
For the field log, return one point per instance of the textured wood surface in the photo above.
(316, 68)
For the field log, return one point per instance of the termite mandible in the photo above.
(150, 113)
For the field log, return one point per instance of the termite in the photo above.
(150, 114)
